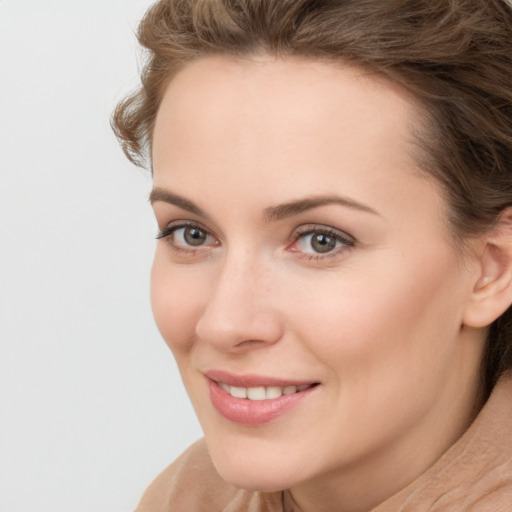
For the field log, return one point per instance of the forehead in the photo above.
(287, 121)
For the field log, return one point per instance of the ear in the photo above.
(492, 292)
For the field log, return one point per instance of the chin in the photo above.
(254, 480)
(254, 472)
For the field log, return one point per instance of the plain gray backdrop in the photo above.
(91, 404)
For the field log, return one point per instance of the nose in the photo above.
(240, 311)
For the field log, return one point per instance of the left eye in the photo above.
(320, 241)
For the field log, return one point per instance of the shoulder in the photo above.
(191, 484)
(189, 481)
(475, 474)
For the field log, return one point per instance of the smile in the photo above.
(263, 393)
(260, 401)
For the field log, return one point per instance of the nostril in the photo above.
(250, 343)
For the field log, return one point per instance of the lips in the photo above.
(254, 400)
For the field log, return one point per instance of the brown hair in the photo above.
(454, 55)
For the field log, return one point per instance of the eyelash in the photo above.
(346, 240)
(338, 236)
(167, 233)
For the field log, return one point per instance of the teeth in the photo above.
(255, 393)
(238, 392)
(289, 390)
(262, 393)
(273, 392)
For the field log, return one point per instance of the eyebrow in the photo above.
(272, 213)
(160, 194)
(282, 211)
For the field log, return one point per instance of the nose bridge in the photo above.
(240, 306)
(236, 283)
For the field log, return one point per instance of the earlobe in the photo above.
(492, 292)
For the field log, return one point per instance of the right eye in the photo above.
(187, 237)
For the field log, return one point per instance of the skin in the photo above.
(379, 322)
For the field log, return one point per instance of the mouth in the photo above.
(262, 392)
(260, 401)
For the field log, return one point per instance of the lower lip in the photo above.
(253, 412)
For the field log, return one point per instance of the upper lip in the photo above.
(252, 380)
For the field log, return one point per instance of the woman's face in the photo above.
(306, 261)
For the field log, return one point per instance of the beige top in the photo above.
(474, 475)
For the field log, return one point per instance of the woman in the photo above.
(334, 266)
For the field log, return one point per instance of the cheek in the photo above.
(176, 301)
(387, 320)
(385, 351)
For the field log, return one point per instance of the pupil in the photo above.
(323, 243)
(194, 236)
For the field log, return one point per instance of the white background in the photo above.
(91, 405)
